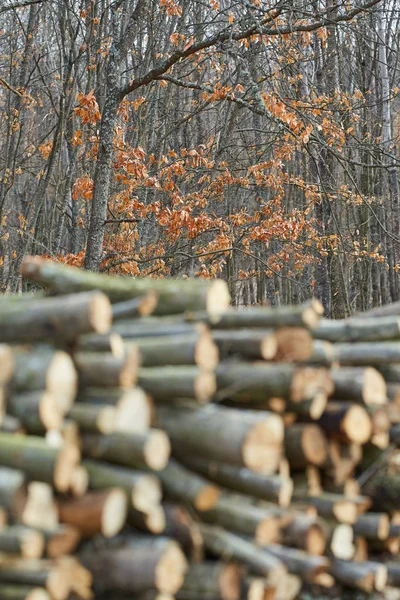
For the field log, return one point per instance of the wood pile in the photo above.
(155, 444)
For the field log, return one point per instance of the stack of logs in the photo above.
(157, 444)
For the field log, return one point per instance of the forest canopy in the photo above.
(254, 140)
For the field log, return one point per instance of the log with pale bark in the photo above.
(104, 369)
(94, 418)
(245, 438)
(21, 541)
(112, 343)
(368, 353)
(193, 349)
(148, 450)
(13, 591)
(130, 329)
(142, 306)
(373, 526)
(342, 508)
(42, 368)
(365, 576)
(38, 411)
(275, 488)
(7, 364)
(38, 459)
(171, 383)
(143, 490)
(137, 564)
(211, 581)
(174, 296)
(367, 329)
(359, 384)
(237, 514)
(300, 563)
(305, 444)
(251, 344)
(55, 318)
(102, 512)
(322, 354)
(346, 422)
(36, 573)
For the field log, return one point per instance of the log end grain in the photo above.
(262, 447)
(114, 513)
(357, 425)
(218, 298)
(205, 386)
(66, 462)
(7, 364)
(206, 498)
(100, 313)
(206, 354)
(170, 570)
(374, 387)
(62, 380)
(157, 450)
(134, 411)
(146, 493)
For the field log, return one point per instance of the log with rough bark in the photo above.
(38, 411)
(305, 444)
(194, 349)
(95, 418)
(305, 533)
(112, 343)
(181, 525)
(102, 512)
(346, 422)
(169, 383)
(21, 541)
(298, 562)
(367, 353)
(7, 364)
(137, 564)
(149, 450)
(185, 486)
(275, 488)
(55, 318)
(359, 384)
(236, 513)
(143, 490)
(253, 383)
(60, 540)
(38, 459)
(142, 306)
(211, 580)
(365, 576)
(103, 369)
(245, 438)
(36, 573)
(303, 315)
(13, 591)
(174, 296)
(259, 561)
(42, 368)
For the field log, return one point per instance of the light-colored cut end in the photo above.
(79, 481)
(40, 509)
(294, 344)
(62, 380)
(285, 493)
(383, 527)
(206, 354)
(277, 405)
(267, 531)
(256, 589)
(157, 450)
(7, 364)
(148, 304)
(155, 520)
(315, 540)
(325, 580)
(50, 412)
(318, 405)
(107, 419)
(307, 382)
(218, 298)
(289, 587)
(117, 345)
(66, 462)
(205, 386)
(345, 511)
(342, 542)
(147, 493)
(381, 576)
(374, 387)
(100, 313)
(262, 447)
(314, 445)
(37, 594)
(130, 368)
(207, 498)
(114, 513)
(229, 583)
(170, 570)
(32, 544)
(269, 346)
(63, 542)
(357, 425)
(58, 584)
(133, 412)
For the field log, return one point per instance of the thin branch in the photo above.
(20, 4)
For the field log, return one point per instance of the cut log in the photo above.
(13, 493)
(305, 533)
(255, 588)
(373, 526)
(152, 521)
(365, 576)
(360, 329)
(341, 508)
(294, 344)
(39, 510)
(259, 561)
(341, 543)
(304, 315)
(214, 581)
(181, 484)
(52, 318)
(359, 384)
(21, 541)
(111, 343)
(239, 515)
(305, 445)
(79, 481)
(300, 563)
(36, 573)
(141, 563)
(39, 460)
(44, 369)
(247, 383)
(251, 344)
(167, 384)
(245, 438)
(174, 296)
(181, 526)
(61, 540)
(274, 488)
(384, 489)
(22, 592)
(148, 450)
(142, 489)
(94, 418)
(322, 354)
(368, 353)
(142, 306)
(8, 424)
(393, 571)
(342, 460)
(306, 483)
(38, 411)
(7, 364)
(102, 512)
(130, 329)
(195, 349)
(346, 422)
(103, 369)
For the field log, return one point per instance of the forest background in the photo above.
(254, 140)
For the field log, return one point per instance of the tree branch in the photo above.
(19, 4)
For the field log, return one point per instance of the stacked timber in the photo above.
(156, 444)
